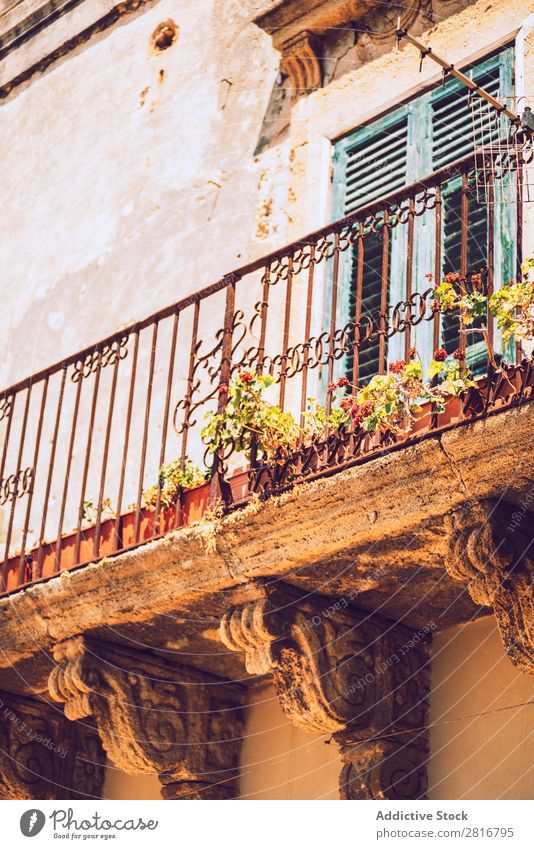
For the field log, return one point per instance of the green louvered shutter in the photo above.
(403, 147)
(375, 166)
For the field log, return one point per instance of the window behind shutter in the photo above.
(375, 167)
(452, 124)
(453, 135)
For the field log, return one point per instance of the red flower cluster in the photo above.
(452, 277)
(356, 414)
(223, 389)
(412, 352)
(459, 355)
(397, 367)
(440, 355)
(359, 412)
(246, 377)
(346, 403)
(338, 384)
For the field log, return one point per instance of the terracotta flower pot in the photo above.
(239, 485)
(195, 503)
(452, 414)
(423, 420)
(145, 529)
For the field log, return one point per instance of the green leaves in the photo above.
(390, 402)
(454, 294)
(249, 422)
(445, 296)
(513, 307)
(173, 479)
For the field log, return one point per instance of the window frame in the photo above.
(418, 113)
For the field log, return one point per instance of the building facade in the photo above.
(341, 615)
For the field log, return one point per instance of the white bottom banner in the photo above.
(273, 825)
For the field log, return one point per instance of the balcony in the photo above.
(136, 545)
(86, 439)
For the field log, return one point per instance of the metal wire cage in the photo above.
(504, 152)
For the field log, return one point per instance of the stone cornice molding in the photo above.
(491, 549)
(339, 670)
(36, 33)
(44, 756)
(154, 716)
(297, 27)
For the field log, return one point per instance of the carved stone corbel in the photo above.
(301, 28)
(44, 756)
(302, 63)
(347, 672)
(491, 548)
(154, 716)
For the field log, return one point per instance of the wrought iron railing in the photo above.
(83, 439)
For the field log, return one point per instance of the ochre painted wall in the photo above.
(280, 761)
(488, 757)
(119, 785)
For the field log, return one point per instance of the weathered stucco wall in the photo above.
(121, 168)
(130, 178)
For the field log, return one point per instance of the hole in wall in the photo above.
(165, 35)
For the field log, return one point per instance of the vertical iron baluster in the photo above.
(307, 333)
(219, 489)
(409, 274)
(8, 432)
(187, 401)
(22, 563)
(190, 378)
(263, 317)
(464, 233)
(145, 430)
(358, 309)
(437, 268)
(129, 410)
(111, 410)
(67, 472)
(285, 339)
(260, 357)
(519, 239)
(81, 508)
(491, 253)
(165, 424)
(6, 444)
(436, 322)
(332, 330)
(40, 553)
(382, 333)
(15, 487)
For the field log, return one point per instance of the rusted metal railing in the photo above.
(83, 439)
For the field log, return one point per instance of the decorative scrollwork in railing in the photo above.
(316, 350)
(6, 407)
(16, 485)
(100, 358)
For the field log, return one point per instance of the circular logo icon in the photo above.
(32, 822)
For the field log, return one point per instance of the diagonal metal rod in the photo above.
(450, 69)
